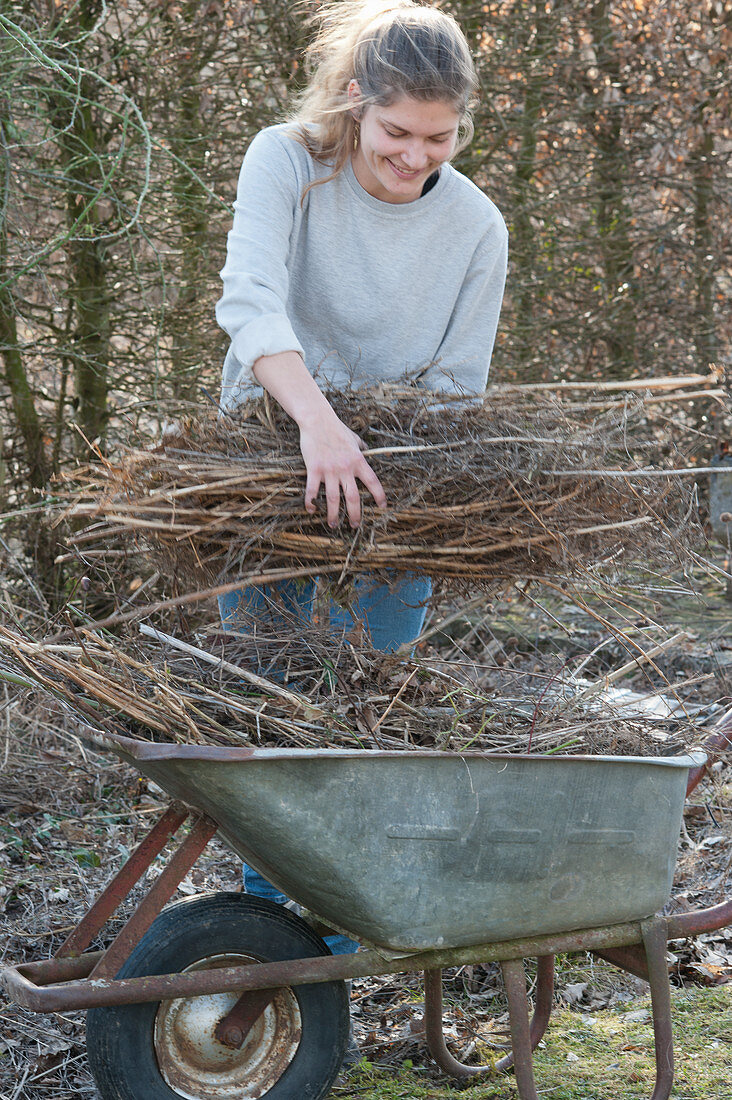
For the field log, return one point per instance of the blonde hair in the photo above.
(392, 48)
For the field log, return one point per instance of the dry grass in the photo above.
(325, 690)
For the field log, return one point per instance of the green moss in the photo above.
(370, 1082)
(607, 1055)
(614, 1051)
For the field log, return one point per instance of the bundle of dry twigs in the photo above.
(164, 689)
(514, 487)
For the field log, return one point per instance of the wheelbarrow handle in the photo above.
(719, 740)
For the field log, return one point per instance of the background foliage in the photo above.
(602, 133)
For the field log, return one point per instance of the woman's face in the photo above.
(401, 145)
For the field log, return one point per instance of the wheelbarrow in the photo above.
(429, 860)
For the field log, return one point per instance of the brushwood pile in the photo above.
(510, 488)
(319, 692)
(516, 490)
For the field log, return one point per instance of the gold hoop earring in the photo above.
(356, 135)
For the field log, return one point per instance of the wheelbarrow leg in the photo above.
(655, 940)
(542, 1007)
(514, 979)
(524, 1036)
(433, 1028)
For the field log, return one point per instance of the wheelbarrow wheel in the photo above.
(167, 1049)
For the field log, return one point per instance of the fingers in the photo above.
(332, 459)
(335, 485)
(374, 486)
(333, 499)
(352, 498)
(312, 488)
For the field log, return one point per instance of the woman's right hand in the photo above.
(333, 458)
(332, 452)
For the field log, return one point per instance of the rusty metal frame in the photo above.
(233, 1029)
(162, 890)
(514, 981)
(543, 1001)
(71, 966)
(537, 1027)
(718, 741)
(62, 983)
(655, 938)
(71, 980)
(59, 984)
(124, 881)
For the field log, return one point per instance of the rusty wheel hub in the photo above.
(197, 1066)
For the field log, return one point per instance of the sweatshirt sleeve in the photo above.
(252, 308)
(466, 348)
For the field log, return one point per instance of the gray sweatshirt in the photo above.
(365, 290)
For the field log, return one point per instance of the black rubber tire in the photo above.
(120, 1040)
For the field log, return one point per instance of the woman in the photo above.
(360, 255)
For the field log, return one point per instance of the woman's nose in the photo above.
(415, 156)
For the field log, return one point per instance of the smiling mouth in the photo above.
(403, 173)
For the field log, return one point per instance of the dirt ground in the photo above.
(70, 816)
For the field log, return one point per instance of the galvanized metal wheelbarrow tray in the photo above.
(428, 859)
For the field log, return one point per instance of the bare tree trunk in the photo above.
(21, 393)
(191, 207)
(89, 289)
(190, 202)
(705, 336)
(612, 217)
(525, 231)
(81, 146)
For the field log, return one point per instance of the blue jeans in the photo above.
(392, 615)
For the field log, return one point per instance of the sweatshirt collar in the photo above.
(399, 209)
